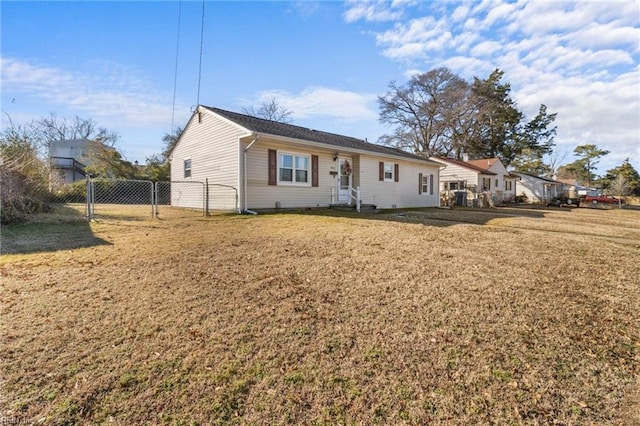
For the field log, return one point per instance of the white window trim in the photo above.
(386, 179)
(184, 168)
(294, 155)
(425, 184)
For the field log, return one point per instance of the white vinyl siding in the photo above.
(454, 173)
(216, 147)
(212, 146)
(401, 194)
(261, 195)
(537, 190)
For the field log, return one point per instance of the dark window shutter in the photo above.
(314, 170)
(396, 172)
(273, 167)
(419, 183)
(381, 171)
(430, 184)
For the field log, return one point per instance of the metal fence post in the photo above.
(154, 207)
(88, 197)
(206, 197)
(151, 198)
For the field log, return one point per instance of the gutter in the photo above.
(349, 150)
(244, 170)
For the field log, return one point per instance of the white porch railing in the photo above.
(354, 196)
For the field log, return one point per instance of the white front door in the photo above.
(344, 179)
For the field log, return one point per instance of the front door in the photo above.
(344, 180)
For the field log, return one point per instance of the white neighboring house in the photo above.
(538, 190)
(473, 178)
(68, 159)
(278, 165)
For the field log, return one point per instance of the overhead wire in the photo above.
(175, 74)
(201, 44)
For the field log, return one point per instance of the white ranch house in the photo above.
(482, 180)
(538, 190)
(278, 165)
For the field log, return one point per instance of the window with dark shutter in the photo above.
(419, 183)
(273, 167)
(381, 170)
(396, 172)
(314, 170)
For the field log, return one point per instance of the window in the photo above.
(486, 184)
(508, 185)
(388, 172)
(425, 184)
(497, 185)
(293, 169)
(454, 186)
(187, 168)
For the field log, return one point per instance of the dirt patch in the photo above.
(430, 317)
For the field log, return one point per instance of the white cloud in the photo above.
(305, 9)
(113, 95)
(419, 37)
(374, 11)
(486, 48)
(579, 58)
(343, 105)
(460, 13)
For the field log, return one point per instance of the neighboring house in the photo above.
(503, 186)
(278, 165)
(538, 190)
(576, 190)
(468, 180)
(67, 160)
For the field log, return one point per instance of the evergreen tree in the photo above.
(497, 124)
(630, 175)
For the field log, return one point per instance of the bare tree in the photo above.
(170, 140)
(54, 128)
(554, 159)
(620, 186)
(270, 110)
(426, 113)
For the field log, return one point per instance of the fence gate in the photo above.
(120, 199)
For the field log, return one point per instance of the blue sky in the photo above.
(325, 61)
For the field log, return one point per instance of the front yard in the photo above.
(505, 316)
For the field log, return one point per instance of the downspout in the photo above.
(440, 169)
(244, 159)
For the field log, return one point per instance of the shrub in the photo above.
(15, 210)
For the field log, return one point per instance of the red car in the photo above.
(601, 199)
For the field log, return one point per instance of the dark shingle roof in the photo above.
(538, 177)
(260, 125)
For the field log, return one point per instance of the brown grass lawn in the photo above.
(444, 317)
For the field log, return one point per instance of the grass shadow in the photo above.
(64, 228)
(433, 216)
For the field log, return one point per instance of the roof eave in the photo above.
(341, 149)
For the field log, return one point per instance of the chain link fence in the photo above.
(121, 199)
(141, 199)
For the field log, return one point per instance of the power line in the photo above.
(201, 44)
(175, 74)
